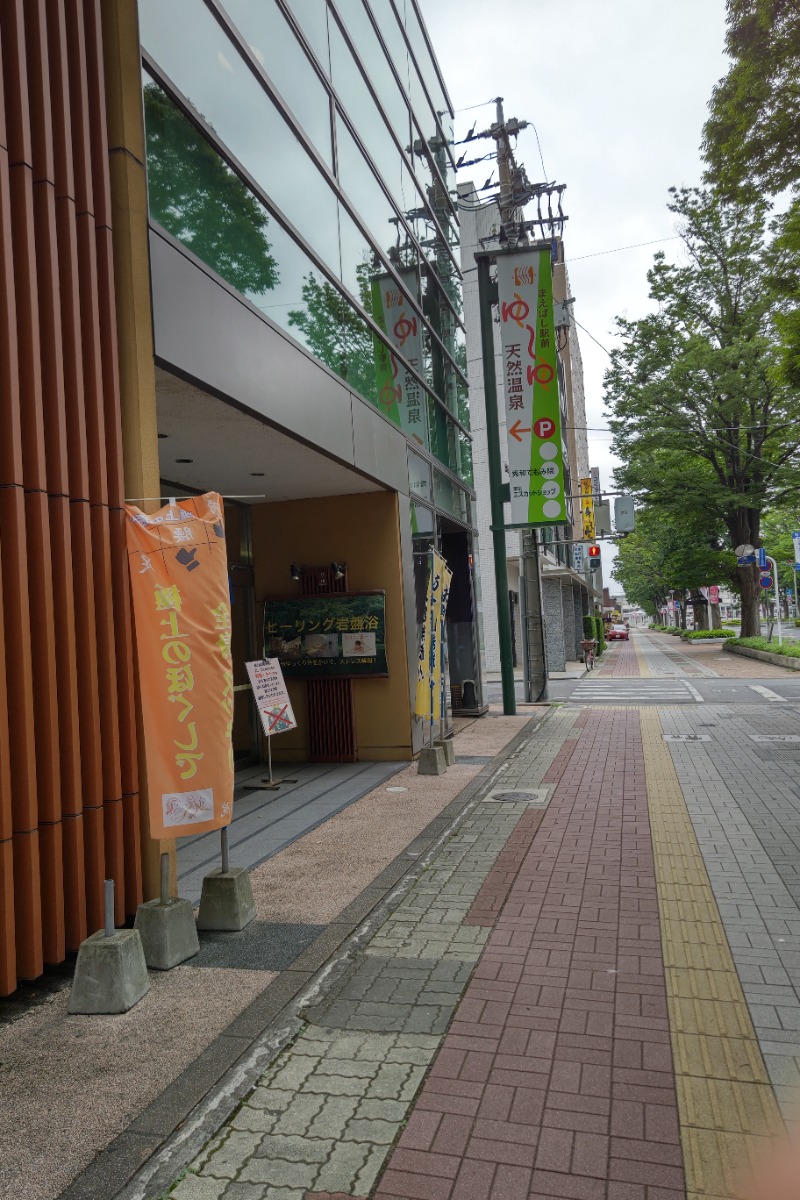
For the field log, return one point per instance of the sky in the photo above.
(618, 91)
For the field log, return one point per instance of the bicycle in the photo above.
(588, 654)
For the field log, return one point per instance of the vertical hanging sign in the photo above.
(182, 613)
(429, 695)
(587, 509)
(533, 412)
(399, 393)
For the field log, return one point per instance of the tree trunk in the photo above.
(716, 619)
(683, 614)
(751, 594)
(701, 616)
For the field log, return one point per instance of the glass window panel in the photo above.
(207, 69)
(451, 498)
(419, 477)
(421, 525)
(373, 59)
(274, 44)
(427, 68)
(360, 107)
(392, 36)
(312, 17)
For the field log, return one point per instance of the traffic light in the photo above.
(594, 557)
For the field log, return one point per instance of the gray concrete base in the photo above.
(168, 933)
(431, 761)
(227, 902)
(449, 748)
(778, 660)
(110, 974)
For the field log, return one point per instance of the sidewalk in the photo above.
(579, 981)
(590, 992)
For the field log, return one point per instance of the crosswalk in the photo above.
(613, 690)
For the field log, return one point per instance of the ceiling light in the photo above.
(294, 571)
(184, 460)
(338, 570)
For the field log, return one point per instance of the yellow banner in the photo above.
(587, 508)
(182, 613)
(429, 696)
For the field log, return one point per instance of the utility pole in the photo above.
(487, 293)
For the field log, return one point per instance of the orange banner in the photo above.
(181, 606)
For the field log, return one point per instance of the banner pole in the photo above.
(224, 841)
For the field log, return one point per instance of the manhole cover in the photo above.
(686, 737)
(775, 737)
(499, 796)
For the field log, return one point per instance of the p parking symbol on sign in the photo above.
(544, 427)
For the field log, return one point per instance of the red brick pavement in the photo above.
(620, 661)
(486, 906)
(555, 1079)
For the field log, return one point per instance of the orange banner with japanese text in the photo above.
(182, 614)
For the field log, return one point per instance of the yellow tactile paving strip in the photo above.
(641, 661)
(725, 1101)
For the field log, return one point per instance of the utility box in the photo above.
(624, 514)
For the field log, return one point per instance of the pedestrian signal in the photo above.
(594, 557)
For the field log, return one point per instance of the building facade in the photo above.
(229, 262)
(566, 593)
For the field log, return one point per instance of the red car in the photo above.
(617, 633)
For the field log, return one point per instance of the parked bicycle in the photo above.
(587, 647)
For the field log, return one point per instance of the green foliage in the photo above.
(588, 626)
(196, 196)
(600, 634)
(787, 650)
(695, 635)
(751, 136)
(701, 421)
(668, 552)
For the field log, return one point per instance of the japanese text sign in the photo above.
(429, 699)
(181, 608)
(271, 696)
(533, 412)
(400, 395)
(331, 635)
(587, 508)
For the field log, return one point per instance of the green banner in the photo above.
(338, 635)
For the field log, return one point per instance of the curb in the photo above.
(178, 1122)
(777, 660)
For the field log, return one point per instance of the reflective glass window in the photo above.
(273, 43)
(373, 59)
(200, 200)
(427, 68)
(451, 498)
(207, 69)
(421, 525)
(419, 477)
(392, 36)
(312, 17)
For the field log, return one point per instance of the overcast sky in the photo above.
(617, 90)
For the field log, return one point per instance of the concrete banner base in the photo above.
(168, 933)
(448, 746)
(226, 903)
(431, 761)
(110, 974)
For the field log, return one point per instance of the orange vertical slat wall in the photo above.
(68, 776)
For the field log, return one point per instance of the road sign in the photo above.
(766, 581)
(577, 557)
(762, 557)
(746, 560)
(744, 550)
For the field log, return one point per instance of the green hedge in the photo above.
(788, 649)
(694, 635)
(588, 627)
(600, 634)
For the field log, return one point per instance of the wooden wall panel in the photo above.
(68, 756)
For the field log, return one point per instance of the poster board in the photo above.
(335, 635)
(271, 696)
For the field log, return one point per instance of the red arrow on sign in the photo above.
(515, 430)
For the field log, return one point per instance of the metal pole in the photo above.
(777, 599)
(224, 839)
(108, 907)
(269, 756)
(164, 880)
(495, 486)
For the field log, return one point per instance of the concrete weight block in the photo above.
(449, 748)
(168, 932)
(110, 974)
(431, 761)
(226, 902)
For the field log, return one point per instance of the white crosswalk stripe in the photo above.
(635, 691)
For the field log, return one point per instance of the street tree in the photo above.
(669, 552)
(700, 419)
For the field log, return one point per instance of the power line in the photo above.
(619, 249)
(591, 335)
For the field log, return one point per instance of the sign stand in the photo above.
(274, 709)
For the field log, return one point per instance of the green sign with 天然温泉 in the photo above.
(533, 413)
(336, 635)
